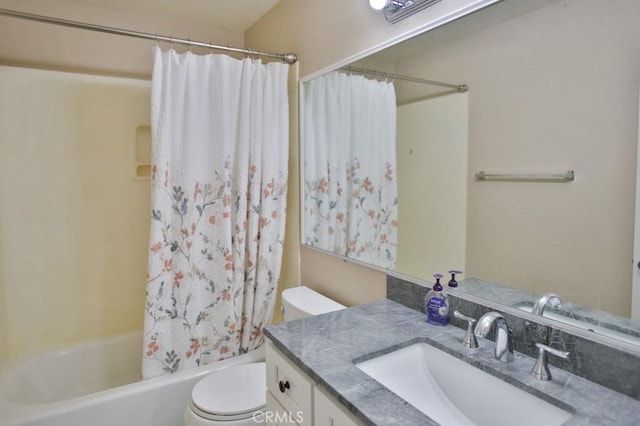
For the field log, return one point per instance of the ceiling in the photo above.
(235, 15)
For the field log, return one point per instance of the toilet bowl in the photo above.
(231, 396)
(236, 395)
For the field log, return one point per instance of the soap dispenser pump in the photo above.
(452, 281)
(437, 304)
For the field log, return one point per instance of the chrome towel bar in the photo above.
(568, 176)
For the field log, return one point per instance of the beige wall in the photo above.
(311, 29)
(290, 272)
(598, 139)
(324, 33)
(37, 45)
(552, 90)
(102, 296)
(48, 46)
(3, 309)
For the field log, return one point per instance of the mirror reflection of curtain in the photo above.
(350, 179)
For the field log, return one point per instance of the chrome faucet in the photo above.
(544, 300)
(469, 339)
(541, 368)
(504, 345)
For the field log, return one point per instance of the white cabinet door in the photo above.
(289, 386)
(275, 414)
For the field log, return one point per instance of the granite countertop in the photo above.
(325, 347)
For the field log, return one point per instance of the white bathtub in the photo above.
(98, 384)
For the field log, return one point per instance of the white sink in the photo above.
(452, 392)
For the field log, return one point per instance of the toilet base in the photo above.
(192, 419)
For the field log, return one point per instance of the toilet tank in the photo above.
(301, 302)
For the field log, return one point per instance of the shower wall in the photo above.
(74, 214)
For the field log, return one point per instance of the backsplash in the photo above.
(608, 366)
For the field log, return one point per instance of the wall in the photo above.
(37, 45)
(290, 270)
(323, 33)
(3, 310)
(432, 185)
(34, 44)
(32, 315)
(503, 139)
(291, 26)
(563, 99)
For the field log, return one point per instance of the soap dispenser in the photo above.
(452, 281)
(436, 304)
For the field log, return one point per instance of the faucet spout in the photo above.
(544, 300)
(504, 344)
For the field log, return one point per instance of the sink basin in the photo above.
(584, 325)
(452, 392)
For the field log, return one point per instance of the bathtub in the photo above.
(97, 383)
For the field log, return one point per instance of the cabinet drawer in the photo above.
(327, 412)
(288, 385)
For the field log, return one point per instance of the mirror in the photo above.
(553, 87)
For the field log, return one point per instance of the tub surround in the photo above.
(77, 386)
(326, 348)
(588, 358)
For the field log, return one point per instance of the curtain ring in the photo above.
(189, 45)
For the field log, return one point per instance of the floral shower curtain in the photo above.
(219, 176)
(350, 181)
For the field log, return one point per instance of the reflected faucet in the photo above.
(544, 300)
(504, 345)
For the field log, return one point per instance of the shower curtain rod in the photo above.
(459, 87)
(289, 58)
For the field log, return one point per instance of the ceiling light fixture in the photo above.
(396, 10)
(378, 4)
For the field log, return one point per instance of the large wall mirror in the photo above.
(552, 88)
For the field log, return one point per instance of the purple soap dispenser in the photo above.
(436, 304)
(452, 281)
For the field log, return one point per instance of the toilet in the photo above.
(235, 396)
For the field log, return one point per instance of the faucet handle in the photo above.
(469, 339)
(541, 368)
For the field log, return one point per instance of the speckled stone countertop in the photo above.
(326, 347)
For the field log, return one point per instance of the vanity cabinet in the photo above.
(293, 398)
(327, 412)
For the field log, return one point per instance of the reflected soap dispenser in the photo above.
(452, 281)
(436, 304)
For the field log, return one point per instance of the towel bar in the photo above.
(568, 176)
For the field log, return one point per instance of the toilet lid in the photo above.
(233, 391)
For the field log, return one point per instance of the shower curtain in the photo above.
(350, 181)
(219, 184)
